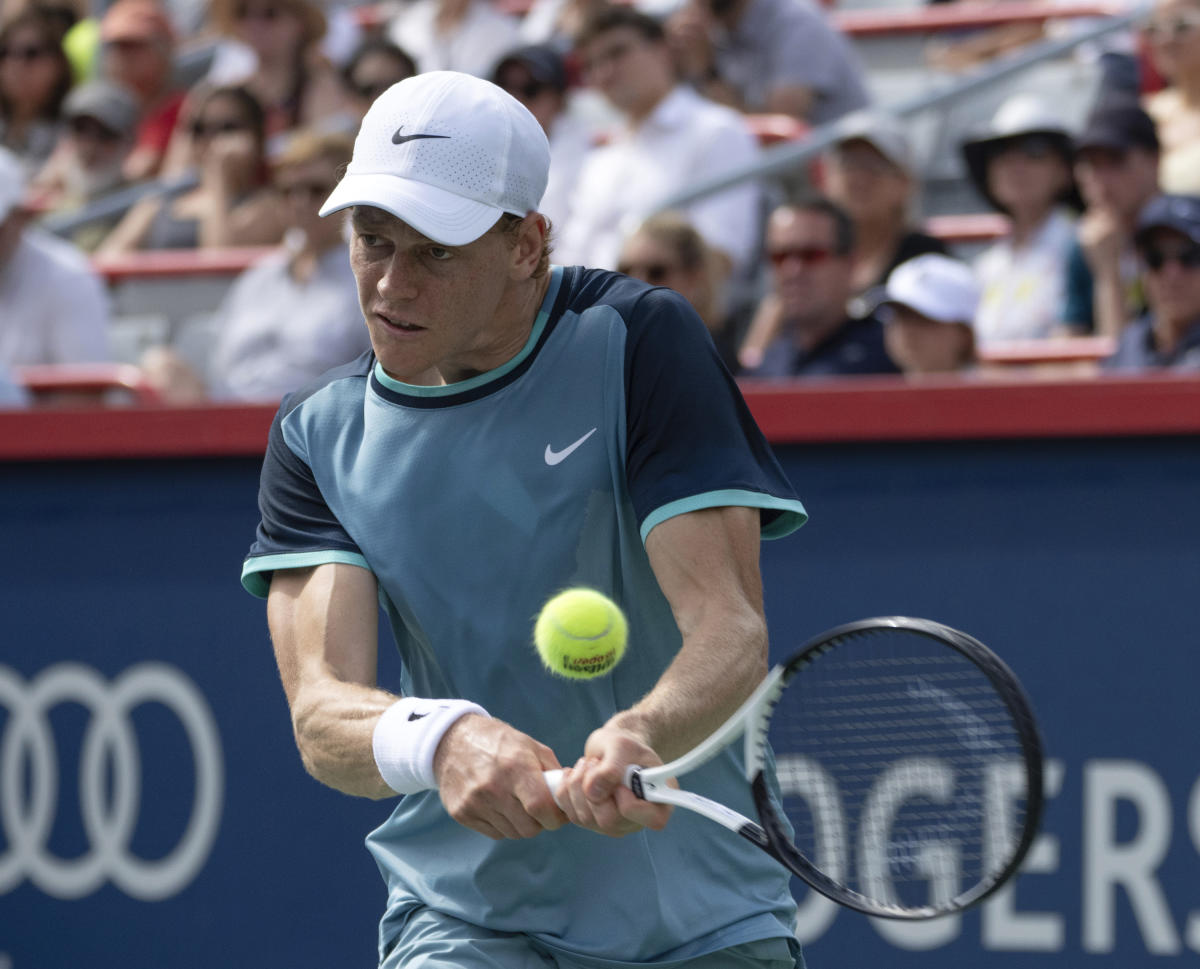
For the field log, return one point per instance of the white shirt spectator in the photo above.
(475, 46)
(571, 139)
(686, 140)
(1023, 289)
(277, 334)
(53, 306)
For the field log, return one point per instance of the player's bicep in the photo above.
(706, 563)
(324, 626)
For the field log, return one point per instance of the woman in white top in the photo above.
(1022, 166)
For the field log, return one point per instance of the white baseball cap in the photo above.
(936, 286)
(447, 153)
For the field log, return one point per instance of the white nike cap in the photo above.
(447, 153)
(936, 286)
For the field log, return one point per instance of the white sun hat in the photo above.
(447, 153)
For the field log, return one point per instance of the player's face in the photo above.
(436, 314)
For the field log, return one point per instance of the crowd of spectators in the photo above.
(223, 129)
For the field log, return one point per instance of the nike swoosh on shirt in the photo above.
(554, 457)
(399, 139)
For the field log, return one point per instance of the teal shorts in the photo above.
(432, 940)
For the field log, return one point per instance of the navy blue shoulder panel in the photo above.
(688, 429)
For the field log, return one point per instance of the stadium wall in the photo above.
(154, 813)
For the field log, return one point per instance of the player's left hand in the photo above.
(593, 793)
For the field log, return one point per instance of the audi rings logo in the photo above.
(110, 781)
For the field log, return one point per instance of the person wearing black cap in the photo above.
(536, 75)
(1116, 168)
(1168, 243)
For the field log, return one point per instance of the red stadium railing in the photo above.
(157, 264)
(848, 410)
(77, 383)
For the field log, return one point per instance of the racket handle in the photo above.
(554, 779)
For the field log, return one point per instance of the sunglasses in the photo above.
(28, 54)
(1173, 28)
(527, 91)
(202, 130)
(805, 255)
(305, 191)
(245, 11)
(654, 273)
(1034, 147)
(85, 127)
(1188, 257)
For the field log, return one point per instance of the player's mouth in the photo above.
(399, 326)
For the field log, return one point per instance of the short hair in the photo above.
(616, 16)
(379, 45)
(675, 230)
(843, 226)
(510, 225)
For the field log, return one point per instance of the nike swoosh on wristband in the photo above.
(399, 139)
(554, 457)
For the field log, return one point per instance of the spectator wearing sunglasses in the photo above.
(1116, 167)
(1173, 38)
(293, 315)
(34, 79)
(1168, 335)
(89, 160)
(374, 67)
(231, 206)
(666, 250)
(1021, 164)
(810, 244)
(277, 56)
(536, 75)
(138, 47)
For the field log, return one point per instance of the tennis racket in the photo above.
(908, 761)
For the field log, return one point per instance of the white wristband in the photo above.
(407, 736)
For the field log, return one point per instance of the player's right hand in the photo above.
(489, 776)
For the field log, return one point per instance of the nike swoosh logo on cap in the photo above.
(557, 457)
(399, 139)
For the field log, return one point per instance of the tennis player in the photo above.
(519, 428)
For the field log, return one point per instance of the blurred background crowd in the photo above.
(164, 133)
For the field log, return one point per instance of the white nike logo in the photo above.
(554, 457)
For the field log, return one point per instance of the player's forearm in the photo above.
(333, 725)
(723, 658)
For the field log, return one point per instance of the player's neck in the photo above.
(505, 339)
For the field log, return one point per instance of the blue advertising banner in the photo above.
(154, 812)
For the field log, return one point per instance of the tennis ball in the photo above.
(580, 634)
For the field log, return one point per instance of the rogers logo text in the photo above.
(110, 781)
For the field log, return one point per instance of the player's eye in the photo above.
(369, 239)
(439, 253)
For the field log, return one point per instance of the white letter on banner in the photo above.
(914, 777)
(803, 777)
(1004, 928)
(1193, 922)
(1131, 864)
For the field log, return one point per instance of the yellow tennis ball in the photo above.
(580, 634)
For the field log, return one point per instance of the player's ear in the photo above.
(527, 252)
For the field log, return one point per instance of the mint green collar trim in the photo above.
(447, 390)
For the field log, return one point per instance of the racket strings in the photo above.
(900, 768)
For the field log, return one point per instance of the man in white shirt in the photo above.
(53, 307)
(454, 35)
(671, 138)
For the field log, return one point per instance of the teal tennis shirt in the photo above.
(473, 503)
